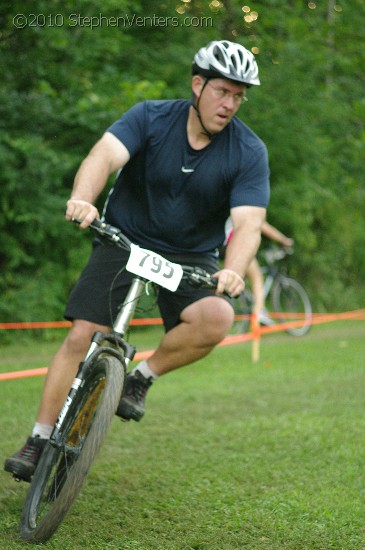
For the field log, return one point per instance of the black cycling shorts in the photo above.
(104, 282)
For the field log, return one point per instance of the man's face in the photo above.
(219, 101)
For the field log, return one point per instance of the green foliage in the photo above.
(75, 67)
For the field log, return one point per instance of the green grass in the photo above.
(231, 455)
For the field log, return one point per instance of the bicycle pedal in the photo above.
(18, 479)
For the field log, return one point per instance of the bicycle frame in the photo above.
(97, 346)
(268, 281)
(270, 273)
(125, 314)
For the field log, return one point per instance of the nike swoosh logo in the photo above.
(187, 170)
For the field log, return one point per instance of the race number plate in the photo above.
(154, 267)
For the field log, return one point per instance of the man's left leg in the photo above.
(203, 325)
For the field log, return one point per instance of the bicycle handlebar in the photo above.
(273, 254)
(197, 277)
(111, 234)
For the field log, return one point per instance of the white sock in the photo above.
(42, 430)
(145, 369)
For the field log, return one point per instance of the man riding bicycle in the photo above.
(183, 167)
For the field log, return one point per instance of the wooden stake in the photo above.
(255, 327)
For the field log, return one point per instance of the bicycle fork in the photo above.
(119, 348)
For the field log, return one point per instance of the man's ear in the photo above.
(197, 83)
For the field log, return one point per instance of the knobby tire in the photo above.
(243, 305)
(61, 473)
(288, 299)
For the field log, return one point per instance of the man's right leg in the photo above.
(60, 376)
(63, 369)
(203, 324)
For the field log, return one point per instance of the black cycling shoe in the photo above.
(23, 463)
(132, 403)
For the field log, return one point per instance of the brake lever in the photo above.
(107, 231)
(200, 274)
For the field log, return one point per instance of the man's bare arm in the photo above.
(247, 223)
(242, 247)
(107, 156)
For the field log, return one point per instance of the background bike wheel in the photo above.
(291, 303)
(61, 472)
(243, 308)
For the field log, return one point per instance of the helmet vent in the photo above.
(217, 52)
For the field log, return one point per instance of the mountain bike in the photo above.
(289, 300)
(94, 396)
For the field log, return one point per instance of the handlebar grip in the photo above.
(200, 278)
(96, 224)
(107, 231)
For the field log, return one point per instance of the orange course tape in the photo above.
(229, 340)
(68, 324)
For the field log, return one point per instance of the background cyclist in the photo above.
(253, 271)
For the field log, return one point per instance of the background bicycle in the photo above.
(288, 300)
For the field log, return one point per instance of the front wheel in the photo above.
(243, 306)
(291, 303)
(62, 470)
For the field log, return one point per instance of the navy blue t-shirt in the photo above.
(172, 198)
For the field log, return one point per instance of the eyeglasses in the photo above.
(223, 93)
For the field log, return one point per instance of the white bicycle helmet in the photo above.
(224, 59)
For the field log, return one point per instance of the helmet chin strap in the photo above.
(206, 132)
